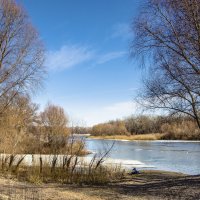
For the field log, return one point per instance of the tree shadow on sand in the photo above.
(163, 187)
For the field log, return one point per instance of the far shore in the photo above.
(141, 137)
(129, 138)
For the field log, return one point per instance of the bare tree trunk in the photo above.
(41, 164)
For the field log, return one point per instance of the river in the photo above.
(176, 156)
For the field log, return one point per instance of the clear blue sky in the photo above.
(87, 42)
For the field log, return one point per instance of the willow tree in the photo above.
(21, 54)
(167, 38)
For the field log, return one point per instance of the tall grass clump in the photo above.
(74, 170)
(68, 168)
(186, 130)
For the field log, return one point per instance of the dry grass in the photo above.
(156, 185)
(64, 169)
(156, 136)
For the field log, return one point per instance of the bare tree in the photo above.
(21, 54)
(167, 37)
(55, 122)
(15, 124)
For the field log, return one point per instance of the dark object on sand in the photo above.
(134, 171)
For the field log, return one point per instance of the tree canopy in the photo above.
(167, 38)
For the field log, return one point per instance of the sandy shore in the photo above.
(147, 137)
(145, 186)
(137, 138)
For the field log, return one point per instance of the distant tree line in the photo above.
(111, 128)
(172, 127)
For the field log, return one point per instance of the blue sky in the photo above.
(87, 42)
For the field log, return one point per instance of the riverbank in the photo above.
(147, 137)
(155, 185)
(157, 136)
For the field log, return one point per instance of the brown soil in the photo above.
(149, 185)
